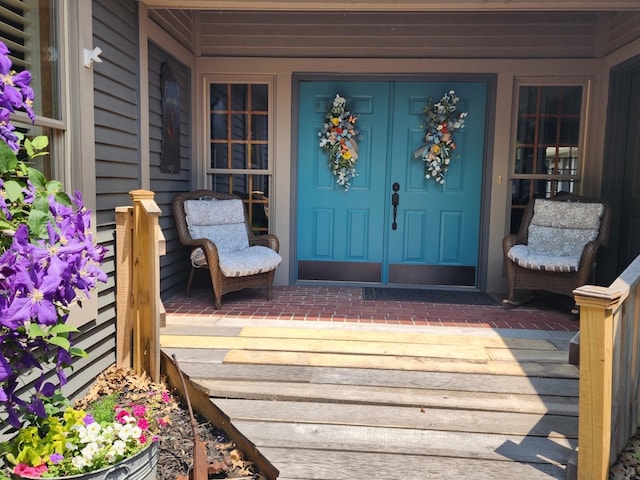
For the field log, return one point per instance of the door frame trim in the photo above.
(487, 167)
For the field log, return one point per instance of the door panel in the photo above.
(437, 235)
(334, 225)
(447, 216)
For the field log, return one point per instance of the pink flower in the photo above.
(143, 423)
(162, 422)
(138, 410)
(165, 397)
(121, 415)
(26, 470)
(143, 439)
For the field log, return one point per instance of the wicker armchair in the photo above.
(555, 249)
(215, 226)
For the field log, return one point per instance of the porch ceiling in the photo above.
(399, 5)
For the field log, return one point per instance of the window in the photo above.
(548, 150)
(29, 28)
(239, 146)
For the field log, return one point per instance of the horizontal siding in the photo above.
(398, 35)
(178, 23)
(623, 28)
(117, 172)
(173, 265)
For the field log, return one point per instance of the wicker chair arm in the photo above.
(510, 240)
(269, 240)
(209, 248)
(589, 253)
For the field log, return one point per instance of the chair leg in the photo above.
(189, 281)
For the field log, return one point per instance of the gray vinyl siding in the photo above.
(173, 274)
(178, 23)
(117, 172)
(401, 34)
(398, 34)
(623, 28)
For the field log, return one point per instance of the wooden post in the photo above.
(145, 283)
(597, 305)
(124, 267)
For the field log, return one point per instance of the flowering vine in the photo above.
(338, 139)
(48, 261)
(441, 123)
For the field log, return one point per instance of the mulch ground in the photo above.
(176, 440)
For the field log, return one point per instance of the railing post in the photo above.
(124, 271)
(145, 284)
(597, 306)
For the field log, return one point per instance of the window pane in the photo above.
(260, 98)
(547, 143)
(219, 97)
(239, 97)
(240, 141)
(29, 29)
(43, 162)
(239, 128)
(259, 127)
(219, 155)
(239, 155)
(259, 156)
(219, 126)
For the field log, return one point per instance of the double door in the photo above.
(393, 226)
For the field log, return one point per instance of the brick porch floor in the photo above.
(345, 304)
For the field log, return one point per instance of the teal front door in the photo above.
(431, 237)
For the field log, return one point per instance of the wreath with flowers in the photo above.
(338, 139)
(442, 122)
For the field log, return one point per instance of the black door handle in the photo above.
(395, 201)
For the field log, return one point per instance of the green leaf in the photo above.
(35, 330)
(28, 148)
(63, 198)
(62, 328)
(37, 222)
(40, 142)
(37, 178)
(60, 342)
(8, 159)
(13, 190)
(53, 186)
(78, 352)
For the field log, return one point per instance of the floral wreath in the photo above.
(338, 140)
(441, 123)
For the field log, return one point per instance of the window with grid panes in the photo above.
(547, 149)
(30, 31)
(239, 136)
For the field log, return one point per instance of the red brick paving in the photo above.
(345, 304)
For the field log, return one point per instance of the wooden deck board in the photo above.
(381, 395)
(390, 378)
(437, 443)
(349, 403)
(389, 362)
(327, 345)
(304, 464)
(497, 422)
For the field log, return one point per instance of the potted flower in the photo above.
(112, 431)
(49, 261)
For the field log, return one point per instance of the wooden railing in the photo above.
(609, 371)
(140, 314)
